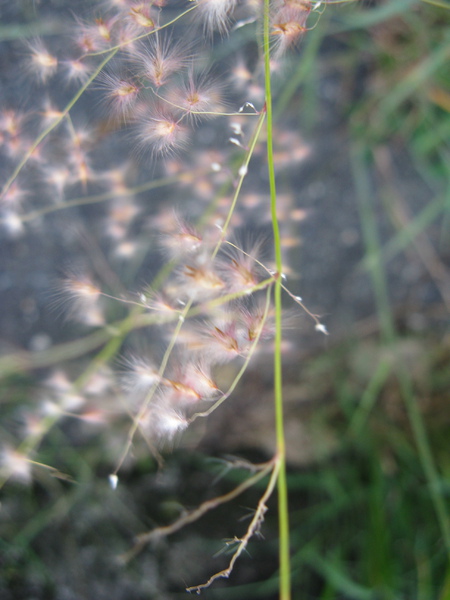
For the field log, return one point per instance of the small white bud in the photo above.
(143, 298)
(298, 298)
(13, 224)
(321, 327)
(113, 481)
(235, 141)
(236, 128)
(216, 167)
(243, 171)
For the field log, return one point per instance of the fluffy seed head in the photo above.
(93, 36)
(199, 94)
(15, 465)
(191, 380)
(83, 296)
(197, 375)
(104, 29)
(241, 269)
(161, 58)
(11, 122)
(181, 239)
(142, 16)
(139, 377)
(121, 93)
(220, 339)
(76, 70)
(42, 64)
(288, 25)
(161, 303)
(161, 132)
(202, 281)
(215, 14)
(165, 421)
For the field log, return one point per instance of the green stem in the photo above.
(283, 512)
(242, 175)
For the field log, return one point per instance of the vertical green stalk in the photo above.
(283, 513)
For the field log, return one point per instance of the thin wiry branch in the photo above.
(143, 539)
(253, 529)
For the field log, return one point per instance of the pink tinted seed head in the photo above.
(161, 303)
(199, 94)
(82, 294)
(161, 132)
(14, 197)
(142, 16)
(197, 375)
(219, 339)
(190, 379)
(93, 36)
(288, 26)
(41, 63)
(11, 122)
(49, 113)
(56, 176)
(76, 70)
(180, 393)
(241, 269)
(201, 281)
(140, 375)
(160, 58)
(121, 94)
(181, 238)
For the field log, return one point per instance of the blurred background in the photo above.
(366, 187)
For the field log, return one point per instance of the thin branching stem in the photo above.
(242, 173)
(255, 523)
(109, 195)
(187, 518)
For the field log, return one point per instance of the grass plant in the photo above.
(160, 142)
